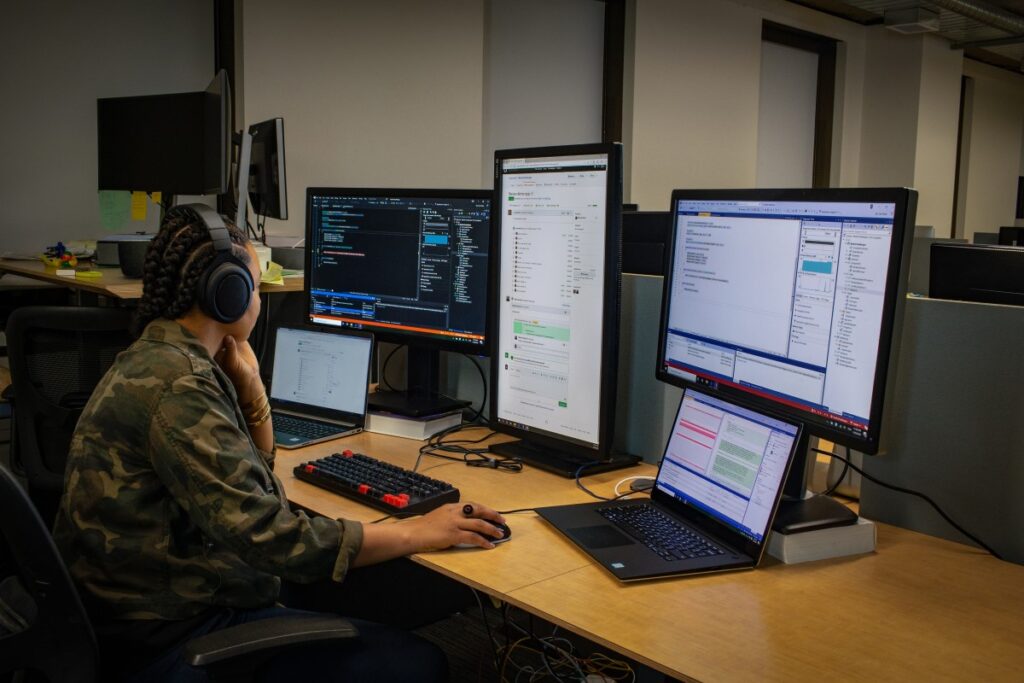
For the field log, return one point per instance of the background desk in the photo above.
(113, 283)
(919, 608)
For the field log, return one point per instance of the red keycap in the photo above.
(347, 453)
(311, 468)
(363, 488)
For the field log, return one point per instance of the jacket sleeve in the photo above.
(214, 471)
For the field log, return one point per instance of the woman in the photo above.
(172, 522)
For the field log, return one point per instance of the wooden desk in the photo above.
(919, 608)
(113, 283)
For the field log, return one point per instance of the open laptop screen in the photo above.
(321, 369)
(727, 461)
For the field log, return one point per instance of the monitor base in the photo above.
(563, 464)
(413, 405)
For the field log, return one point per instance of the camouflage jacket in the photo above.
(169, 508)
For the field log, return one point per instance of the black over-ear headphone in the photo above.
(225, 288)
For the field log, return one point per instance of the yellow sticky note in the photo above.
(138, 206)
(156, 197)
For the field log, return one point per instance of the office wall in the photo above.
(694, 93)
(938, 120)
(543, 75)
(994, 163)
(785, 122)
(381, 94)
(58, 58)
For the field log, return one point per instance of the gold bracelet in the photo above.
(252, 410)
(256, 421)
(255, 404)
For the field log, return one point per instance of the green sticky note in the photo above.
(115, 207)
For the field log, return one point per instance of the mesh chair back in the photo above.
(46, 628)
(57, 356)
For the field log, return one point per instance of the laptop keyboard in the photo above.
(305, 428)
(659, 532)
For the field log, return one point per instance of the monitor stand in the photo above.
(423, 398)
(561, 463)
(798, 512)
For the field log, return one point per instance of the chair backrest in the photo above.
(57, 356)
(55, 637)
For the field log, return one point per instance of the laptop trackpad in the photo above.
(600, 536)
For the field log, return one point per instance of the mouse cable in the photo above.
(916, 494)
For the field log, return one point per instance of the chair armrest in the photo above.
(265, 635)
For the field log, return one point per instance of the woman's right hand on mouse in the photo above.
(451, 524)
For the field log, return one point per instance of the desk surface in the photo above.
(918, 607)
(113, 283)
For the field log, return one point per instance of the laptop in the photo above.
(319, 384)
(712, 504)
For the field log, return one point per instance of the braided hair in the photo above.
(175, 260)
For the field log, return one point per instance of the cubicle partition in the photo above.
(956, 431)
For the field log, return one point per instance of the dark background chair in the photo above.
(45, 631)
(57, 355)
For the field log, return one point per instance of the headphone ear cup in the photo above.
(226, 289)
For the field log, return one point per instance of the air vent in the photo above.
(912, 20)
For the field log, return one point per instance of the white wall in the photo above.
(543, 75)
(58, 58)
(938, 120)
(381, 94)
(785, 120)
(994, 164)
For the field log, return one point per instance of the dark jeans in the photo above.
(379, 653)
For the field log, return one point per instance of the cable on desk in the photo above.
(831, 489)
(622, 481)
(436, 447)
(916, 494)
(580, 486)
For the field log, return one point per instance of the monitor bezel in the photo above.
(904, 200)
(612, 301)
(963, 268)
(386, 334)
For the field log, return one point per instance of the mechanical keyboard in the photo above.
(376, 483)
(659, 532)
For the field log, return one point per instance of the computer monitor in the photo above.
(787, 300)
(175, 144)
(268, 192)
(982, 273)
(411, 266)
(558, 213)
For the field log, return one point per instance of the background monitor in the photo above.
(411, 266)
(176, 144)
(982, 273)
(644, 235)
(787, 299)
(558, 213)
(268, 192)
(920, 262)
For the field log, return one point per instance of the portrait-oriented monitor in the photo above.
(175, 143)
(981, 273)
(411, 266)
(268, 192)
(556, 304)
(787, 299)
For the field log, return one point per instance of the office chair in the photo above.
(57, 356)
(44, 627)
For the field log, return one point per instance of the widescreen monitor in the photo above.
(411, 266)
(981, 273)
(788, 299)
(268, 192)
(558, 213)
(175, 143)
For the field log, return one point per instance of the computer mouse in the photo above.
(507, 534)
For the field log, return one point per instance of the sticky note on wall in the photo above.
(114, 209)
(138, 206)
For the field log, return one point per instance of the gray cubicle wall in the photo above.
(955, 431)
